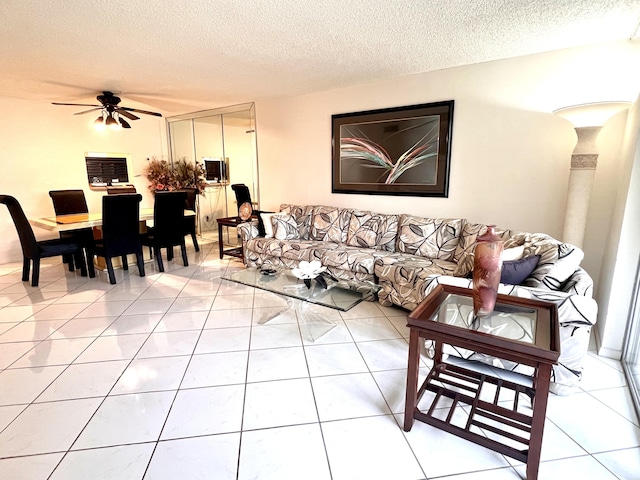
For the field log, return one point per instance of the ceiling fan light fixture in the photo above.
(98, 123)
(112, 122)
(123, 122)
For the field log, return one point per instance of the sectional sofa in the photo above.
(408, 256)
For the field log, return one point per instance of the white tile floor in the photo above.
(175, 376)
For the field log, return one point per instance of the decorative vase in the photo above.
(487, 266)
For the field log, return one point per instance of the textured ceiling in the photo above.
(180, 56)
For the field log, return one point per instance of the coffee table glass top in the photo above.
(340, 295)
(512, 322)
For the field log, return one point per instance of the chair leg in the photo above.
(125, 263)
(90, 267)
(183, 248)
(140, 261)
(79, 261)
(68, 259)
(159, 258)
(112, 275)
(195, 241)
(26, 266)
(35, 276)
(169, 253)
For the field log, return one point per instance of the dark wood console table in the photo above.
(520, 330)
(230, 222)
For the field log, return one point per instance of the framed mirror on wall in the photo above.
(223, 140)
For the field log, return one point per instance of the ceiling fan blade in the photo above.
(140, 111)
(76, 104)
(124, 113)
(87, 111)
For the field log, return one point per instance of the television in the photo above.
(215, 169)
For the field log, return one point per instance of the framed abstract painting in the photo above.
(393, 151)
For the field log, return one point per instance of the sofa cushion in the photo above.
(285, 227)
(569, 258)
(307, 250)
(354, 259)
(330, 224)
(429, 237)
(372, 230)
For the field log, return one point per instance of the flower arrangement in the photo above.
(163, 176)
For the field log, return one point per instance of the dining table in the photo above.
(77, 221)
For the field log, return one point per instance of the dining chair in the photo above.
(243, 195)
(168, 212)
(33, 250)
(190, 221)
(70, 202)
(120, 231)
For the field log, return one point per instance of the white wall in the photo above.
(42, 148)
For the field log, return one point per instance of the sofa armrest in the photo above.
(580, 283)
(248, 230)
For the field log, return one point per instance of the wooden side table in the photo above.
(521, 330)
(229, 222)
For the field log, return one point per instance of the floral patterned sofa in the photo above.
(409, 256)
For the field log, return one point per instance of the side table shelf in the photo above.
(464, 387)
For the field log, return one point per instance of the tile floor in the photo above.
(177, 376)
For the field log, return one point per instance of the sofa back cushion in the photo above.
(302, 215)
(429, 237)
(372, 230)
(329, 224)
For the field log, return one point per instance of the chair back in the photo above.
(192, 194)
(120, 224)
(121, 190)
(68, 202)
(168, 217)
(25, 232)
(242, 195)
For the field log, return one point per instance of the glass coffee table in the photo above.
(308, 302)
(466, 397)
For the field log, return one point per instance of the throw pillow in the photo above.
(285, 227)
(514, 272)
(268, 226)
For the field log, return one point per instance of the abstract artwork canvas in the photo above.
(393, 151)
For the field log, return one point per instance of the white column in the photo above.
(584, 161)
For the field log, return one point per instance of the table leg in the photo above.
(541, 383)
(412, 379)
(220, 244)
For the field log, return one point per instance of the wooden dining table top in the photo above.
(62, 223)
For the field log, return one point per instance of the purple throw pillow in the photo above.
(514, 272)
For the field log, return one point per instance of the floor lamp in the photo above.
(587, 120)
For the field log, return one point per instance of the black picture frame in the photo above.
(393, 151)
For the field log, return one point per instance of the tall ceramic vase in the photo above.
(487, 266)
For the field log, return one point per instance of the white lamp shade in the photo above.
(591, 114)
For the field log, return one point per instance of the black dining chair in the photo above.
(243, 195)
(168, 217)
(120, 232)
(70, 202)
(33, 250)
(190, 221)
